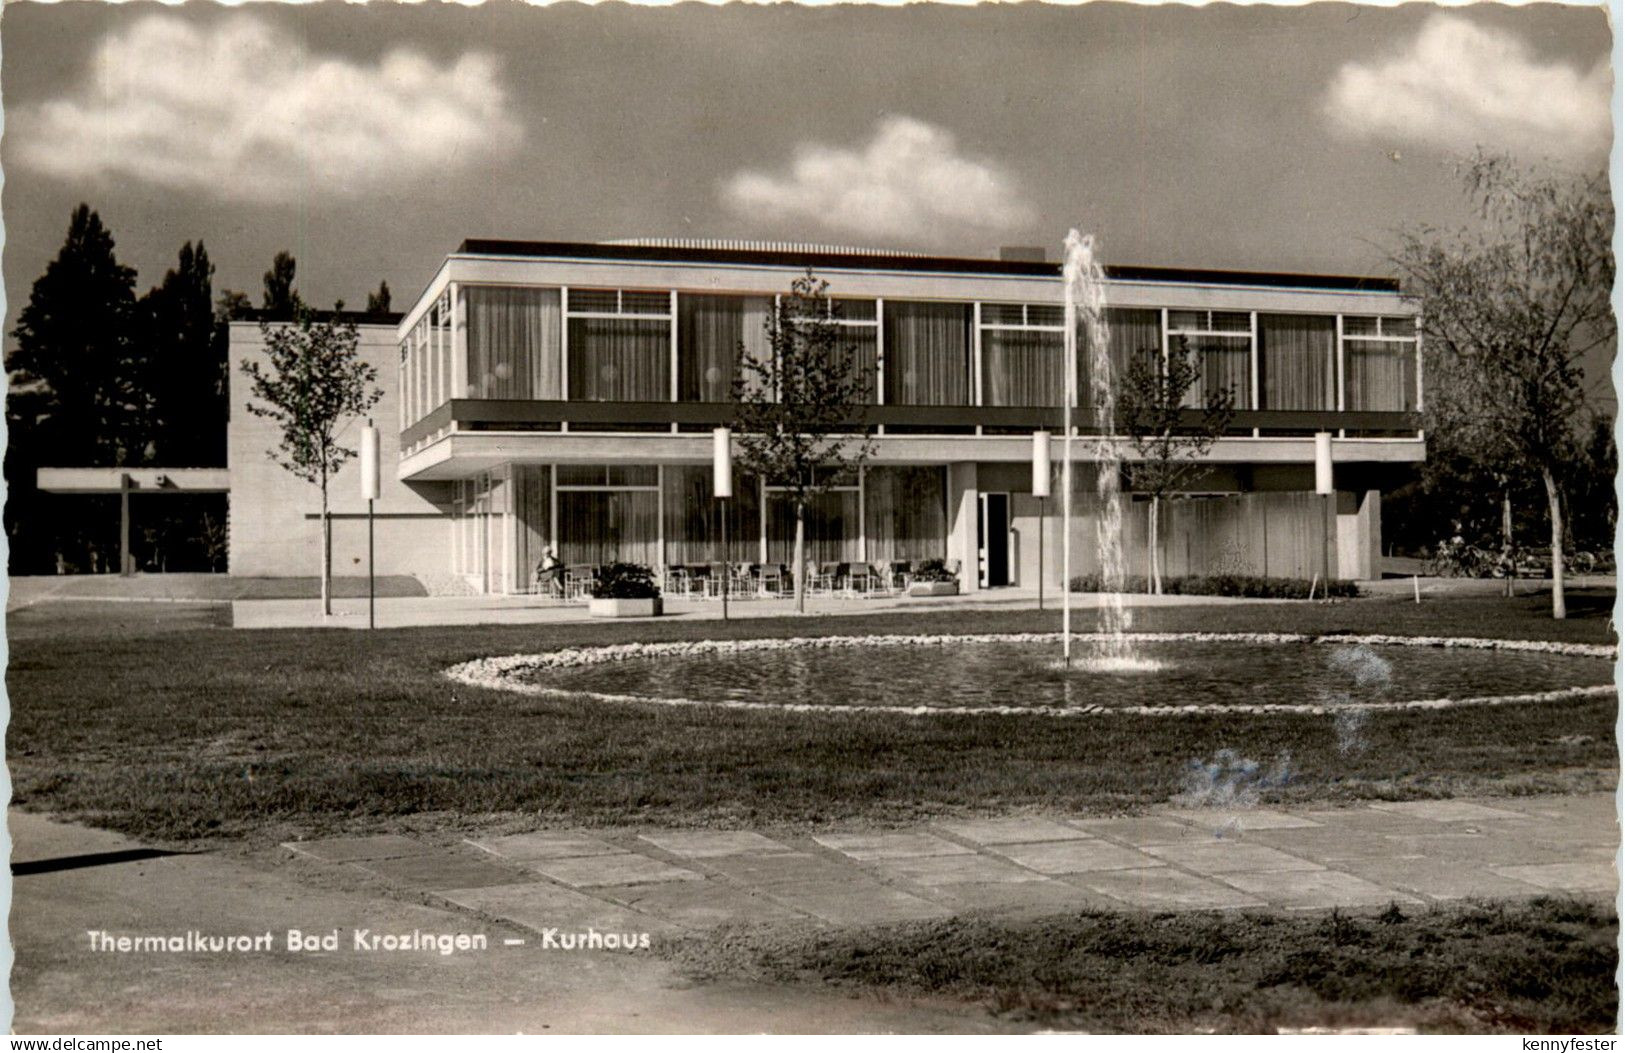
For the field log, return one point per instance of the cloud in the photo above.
(908, 181)
(1460, 85)
(245, 112)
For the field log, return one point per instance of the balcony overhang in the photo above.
(477, 435)
(462, 415)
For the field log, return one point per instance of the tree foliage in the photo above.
(280, 297)
(799, 411)
(1511, 307)
(1168, 435)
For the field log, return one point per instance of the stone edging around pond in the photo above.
(499, 673)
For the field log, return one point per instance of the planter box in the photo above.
(649, 608)
(934, 588)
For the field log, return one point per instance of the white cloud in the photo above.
(908, 181)
(1460, 85)
(245, 112)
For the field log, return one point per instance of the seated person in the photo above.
(550, 573)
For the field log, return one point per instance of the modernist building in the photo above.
(543, 393)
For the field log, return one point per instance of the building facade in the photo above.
(563, 395)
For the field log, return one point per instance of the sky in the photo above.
(371, 140)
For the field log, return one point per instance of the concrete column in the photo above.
(963, 499)
(1359, 534)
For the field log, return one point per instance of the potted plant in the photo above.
(624, 590)
(931, 577)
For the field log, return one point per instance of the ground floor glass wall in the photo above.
(504, 520)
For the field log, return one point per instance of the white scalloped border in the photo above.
(499, 673)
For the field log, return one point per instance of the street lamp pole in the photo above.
(722, 488)
(369, 490)
(1041, 473)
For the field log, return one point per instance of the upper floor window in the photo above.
(619, 345)
(710, 332)
(1379, 363)
(1221, 342)
(513, 342)
(928, 353)
(1023, 354)
(1297, 361)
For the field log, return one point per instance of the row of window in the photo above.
(638, 346)
(504, 520)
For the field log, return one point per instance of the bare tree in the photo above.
(1168, 435)
(799, 411)
(1510, 308)
(313, 386)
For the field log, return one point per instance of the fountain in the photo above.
(1085, 287)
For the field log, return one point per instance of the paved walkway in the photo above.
(1412, 853)
(533, 610)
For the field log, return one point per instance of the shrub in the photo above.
(1248, 585)
(624, 581)
(932, 570)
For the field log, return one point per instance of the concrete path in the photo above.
(535, 610)
(71, 880)
(1412, 853)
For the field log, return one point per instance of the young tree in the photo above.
(1153, 409)
(312, 385)
(799, 411)
(1510, 308)
(280, 297)
(74, 396)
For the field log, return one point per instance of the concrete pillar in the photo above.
(1359, 534)
(963, 501)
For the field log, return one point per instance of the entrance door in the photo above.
(993, 540)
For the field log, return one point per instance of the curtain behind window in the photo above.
(1379, 375)
(709, 332)
(513, 342)
(1022, 368)
(905, 512)
(692, 517)
(831, 528)
(1131, 331)
(1296, 366)
(620, 359)
(1223, 362)
(927, 354)
(608, 526)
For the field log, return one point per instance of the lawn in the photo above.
(1542, 967)
(165, 724)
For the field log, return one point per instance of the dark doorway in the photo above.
(993, 540)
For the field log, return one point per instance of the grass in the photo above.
(164, 724)
(1545, 967)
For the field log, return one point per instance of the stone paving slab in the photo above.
(1141, 830)
(1013, 831)
(950, 870)
(358, 849)
(1246, 819)
(628, 869)
(1076, 857)
(541, 905)
(701, 904)
(1439, 879)
(1472, 848)
(528, 847)
(1325, 844)
(1364, 817)
(768, 870)
(443, 870)
(1222, 857)
(1044, 896)
(1450, 811)
(1314, 889)
(870, 847)
(1165, 889)
(1565, 877)
(854, 900)
(707, 844)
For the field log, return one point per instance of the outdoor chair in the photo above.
(859, 577)
(578, 579)
(824, 579)
(715, 575)
(771, 581)
(900, 575)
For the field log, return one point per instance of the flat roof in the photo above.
(887, 262)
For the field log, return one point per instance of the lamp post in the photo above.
(1323, 486)
(1041, 490)
(722, 488)
(369, 490)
